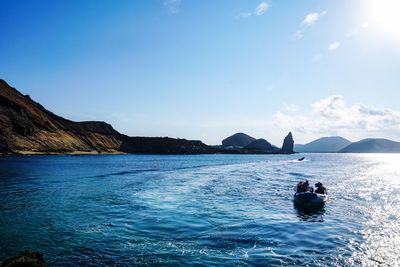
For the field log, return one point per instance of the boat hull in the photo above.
(310, 199)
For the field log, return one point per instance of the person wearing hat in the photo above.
(320, 188)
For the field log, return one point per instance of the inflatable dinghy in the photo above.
(310, 199)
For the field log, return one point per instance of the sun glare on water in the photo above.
(390, 167)
(385, 14)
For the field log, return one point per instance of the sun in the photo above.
(385, 14)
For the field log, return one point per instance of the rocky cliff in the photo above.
(26, 127)
(288, 143)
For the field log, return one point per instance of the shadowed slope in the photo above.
(324, 145)
(27, 127)
(238, 139)
(373, 145)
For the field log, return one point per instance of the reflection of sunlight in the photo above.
(385, 13)
(381, 234)
(387, 167)
(392, 164)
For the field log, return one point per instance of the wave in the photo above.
(136, 171)
(297, 174)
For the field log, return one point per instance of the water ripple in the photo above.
(200, 210)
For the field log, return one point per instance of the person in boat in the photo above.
(320, 188)
(304, 187)
(308, 188)
(299, 187)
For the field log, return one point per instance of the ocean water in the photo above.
(125, 210)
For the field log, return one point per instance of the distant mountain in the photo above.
(241, 143)
(261, 145)
(324, 145)
(27, 127)
(238, 140)
(373, 145)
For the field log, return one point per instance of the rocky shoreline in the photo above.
(27, 128)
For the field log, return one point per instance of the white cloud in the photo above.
(291, 107)
(331, 116)
(261, 8)
(309, 20)
(333, 46)
(352, 33)
(332, 107)
(312, 18)
(258, 11)
(298, 35)
(316, 57)
(358, 30)
(244, 15)
(172, 6)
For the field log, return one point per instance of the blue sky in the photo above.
(207, 69)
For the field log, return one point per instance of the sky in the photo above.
(207, 69)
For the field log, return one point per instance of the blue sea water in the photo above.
(124, 210)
